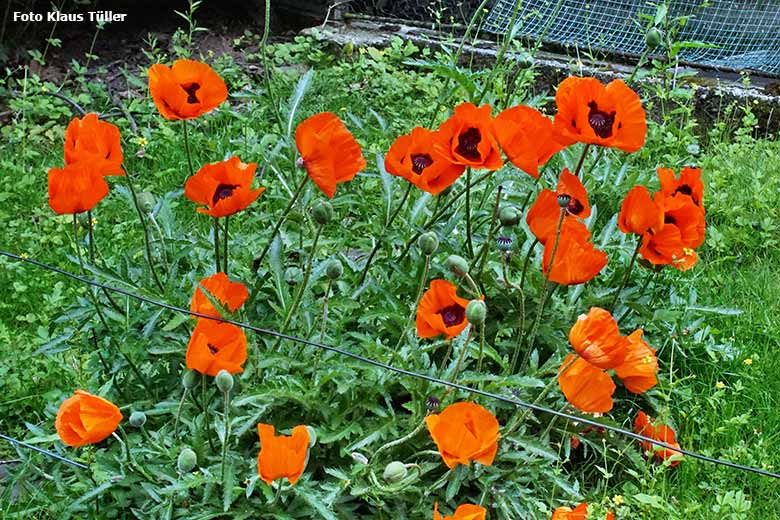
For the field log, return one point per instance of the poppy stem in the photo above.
(469, 246)
(178, 412)
(226, 433)
(91, 242)
(205, 408)
(625, 277)
(481, 347)
(398, 441)
(187, 146)
(408, 323)
(325, 309)
(461, 356)
(216, 246)
(516, 353)
(277, 495)
(582, 160)
(259, 259)
(527, 261)
(226, 238)
(484, 251)
(545, 391)
(147, 243)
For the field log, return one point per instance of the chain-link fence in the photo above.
(443, 11)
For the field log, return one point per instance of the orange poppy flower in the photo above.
(643, 425)
(682, 212)
(282, 455)
(544, 214)
(589, 112)
(216, 346)
(527, 138)
(329, 151)
(464, 432)
(576, 260)
(638, 370)
(230, 295)
(578, 513)
(225, 187)
(666, 248)
(689, 183)
(86, 419)
(90, 139)
(186, 90)
(412, 157)
(76, 188)
(463, 512)
(441, 311)
(468, 138)
(640, 213)
(588, 387)
(596, 338)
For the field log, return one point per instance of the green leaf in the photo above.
(297, 97)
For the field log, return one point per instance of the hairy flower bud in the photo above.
(187, 460)
(137, 419)
(322, 212)
(334, 270)
(224, 381)
(394, 472)
(428, 243)
(654, 37)
(457, 264)
(509, 216)
(146, 201)
(190, 379)
(476, 311)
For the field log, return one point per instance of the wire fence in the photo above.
(739, 34)
(368, 361)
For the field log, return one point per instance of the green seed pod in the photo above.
(312, 436)
(137, 419)
(394, 472)
(509, 216)
(476, 311)
(146, 201)
(428, 243)
(322, 212)
(224, 381)
(334, 270)
(654, 37)
(187, 460)
(563, 200)
(190, 379)
(457, 264)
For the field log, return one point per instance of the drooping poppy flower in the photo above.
(578, 513)
(596, 338)
(589, 112)
(414, 158)
(96, 141)
(576, 259)
(186, 90)
(643, 425)
(86, 419)
(329, 151)
(688, 183)
(463, 512)
(216, 346)
(230, 295)
(282, 456)
(76, 188)
(527, 138)
(638, 370)
(441, 311)
(545, 213)
(468, 138)
(464, 432)
(588, 387)
(225, 187)
(640, 213)
(666, 248)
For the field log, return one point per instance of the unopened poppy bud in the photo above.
(509, 216)
(187, 460)
(322, 212)
(654, 37)
(457, 264)
(146, 201)
(563, 200)
(137, 419)
(428, 243)
(334, 269)
(189, 379)
(359, 458)
(394, 472)
(476, 311)
(312, 436)
(224, 381)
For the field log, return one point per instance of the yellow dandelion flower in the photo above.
(720, 385)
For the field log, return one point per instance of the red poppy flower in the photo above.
(464, 432)
(689, 183)
(216, 346)
(76, 188)
(588, 387)
(578, 513)
(589, 112)
(527, 138)
(463, 512)
(186, 90)
(666, 248)
(330, 154)
(643, 425)
(413, 157)
(86, 419)
(543, 216)
(468, 138)
(282, 456)
(441, 311)
(640, 213)
(596, 338)
(230, 295)
(638, 370)
(96, 141)
(682, 212)
(576, 260)
(225, 188)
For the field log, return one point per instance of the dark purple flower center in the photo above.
(223, 191)
(420, 161)
(668, 219)
(600, 121)
(212, 349)
(452, 315)
(190, 90)
(575, 207)
(684, 189)
(467, 144)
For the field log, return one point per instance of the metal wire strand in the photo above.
(368, 361)
(45, 452)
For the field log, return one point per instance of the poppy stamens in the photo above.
(212, 349)
(223, 191)
(601, 122)
(452, 315)
(467, 144)
(684, 189)
(420, 161)
(190, 90)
